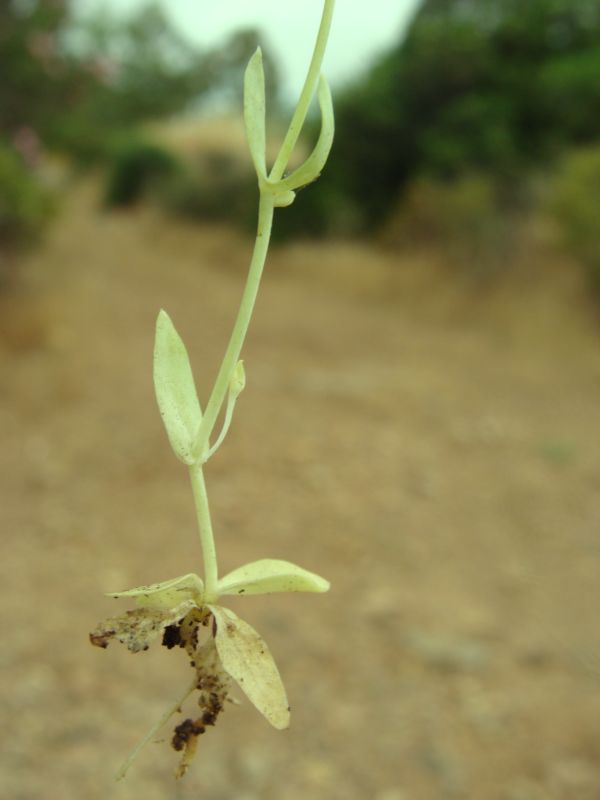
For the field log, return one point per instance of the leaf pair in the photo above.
(243, 653)
(254, 119)
(265, 576)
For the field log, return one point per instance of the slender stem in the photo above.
(207, 539)
(154, 729)
(306, 95)
(234, 348)
(263, 235)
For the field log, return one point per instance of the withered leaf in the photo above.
(245, 656)
(138, 627)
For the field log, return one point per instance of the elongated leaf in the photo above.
(254, 112)
(167, 593)
(271, 575)
(246, 657)
(237, 382)
(175, 389)
(311, 168)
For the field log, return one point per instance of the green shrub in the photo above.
(216, 186)
(575, 206)
(467, 217)
(137, 167)
(493, 86)
(25, 204)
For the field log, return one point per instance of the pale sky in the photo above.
(359, 31)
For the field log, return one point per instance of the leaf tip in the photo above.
(282, 721)
(255, 59)
(162, 317)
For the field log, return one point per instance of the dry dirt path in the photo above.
(436, 457)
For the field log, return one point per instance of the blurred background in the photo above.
(421, 416)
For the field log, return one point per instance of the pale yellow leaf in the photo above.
(271, 575)
(167, 593)
(245, 656)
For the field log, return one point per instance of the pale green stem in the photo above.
(154, 729)
(207, 539)
(238, 335)
(234, 348)
(263, 235)
(308, 91)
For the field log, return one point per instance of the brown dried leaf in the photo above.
(139, 627)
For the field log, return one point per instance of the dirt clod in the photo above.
(185, 731)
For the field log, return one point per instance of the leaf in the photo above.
(138, 628)
(254, 112)
(271, 575)
(237, 382)
(246, 657)
(175, 389)
(166, 594)
(311, 168)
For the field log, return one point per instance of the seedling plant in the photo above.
(186, 612)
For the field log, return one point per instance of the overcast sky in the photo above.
(360, 29)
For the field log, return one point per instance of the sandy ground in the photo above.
(432, 450)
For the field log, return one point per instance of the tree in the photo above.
(38, 77)
(77, 83)
(487, 85)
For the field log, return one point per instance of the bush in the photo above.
(209, 186)
(137, 167)
(25, 204)
(575, 204)
(487, 86)
(214, 186)
(466, 217)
